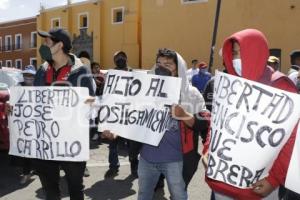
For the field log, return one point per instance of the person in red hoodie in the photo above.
(241, 52)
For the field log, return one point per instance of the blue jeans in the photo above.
(149, 174)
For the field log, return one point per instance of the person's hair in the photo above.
(84, 54)
(93, 64)
(65, 49)
(294, 56)
(194, 61)
(168, 53)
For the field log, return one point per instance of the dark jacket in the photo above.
(78, 76)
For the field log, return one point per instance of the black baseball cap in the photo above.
(58, 35)
(120, 53)
(295, 53)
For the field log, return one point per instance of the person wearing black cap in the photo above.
(60, 69)
(295, 65)
(120, 60)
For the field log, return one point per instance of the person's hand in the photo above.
(8, 108)
(106, 134)
(90, 100)
(262, 187)
(205, 160)
(178, 112)
(98, 82)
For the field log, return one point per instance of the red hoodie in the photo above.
(254, 53)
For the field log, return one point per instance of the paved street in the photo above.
(96, 187)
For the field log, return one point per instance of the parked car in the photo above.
(8, 77)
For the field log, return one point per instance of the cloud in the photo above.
(4, 4)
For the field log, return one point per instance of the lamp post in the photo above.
(213, 43)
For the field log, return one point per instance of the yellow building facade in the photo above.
(104, 21)
(140, 27)
(188, 27)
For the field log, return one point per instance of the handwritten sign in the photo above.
(250, 124)
(136, 105)
(49, 123)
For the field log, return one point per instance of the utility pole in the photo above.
(213, 43)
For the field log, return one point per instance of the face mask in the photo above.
(121, 63)
(237, 65)
(28, 81)
(45, 53)
(203, 70)
(162, 71)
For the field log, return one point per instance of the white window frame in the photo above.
(6, 65)
(192, 2)
(1, 46)
(31, 39)
(112, 14)
(59, 22)
(88, 21)
(21, 42)
(21, 63)
(31, 59)
(5, 43)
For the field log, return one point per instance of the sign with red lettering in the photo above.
(49, 123)
(250, 124)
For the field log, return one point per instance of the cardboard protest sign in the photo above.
(292, 180)
(136, 105)
(49, 123)
(250, 124)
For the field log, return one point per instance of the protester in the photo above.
(274, 62)
(25, 163)
(295, 65)
(193, 70)
(200, 80)
(171, 157)
(99, 78)
(120, 60)
(60, 69)
(245, 54)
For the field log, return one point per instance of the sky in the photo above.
(18, 9)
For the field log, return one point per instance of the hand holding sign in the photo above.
(108, 135)
(262, 187)
(179, 113)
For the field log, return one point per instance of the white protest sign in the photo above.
(292, 180)
(136, 105)
(49, 123)
(250, 124)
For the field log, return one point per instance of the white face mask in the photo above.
(237, 65)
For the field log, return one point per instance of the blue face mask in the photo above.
(237, 65)
(203, 70)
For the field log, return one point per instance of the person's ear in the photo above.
(60, 45)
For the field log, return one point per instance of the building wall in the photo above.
(24, 27)
(107, 37)
(122, 36)
(188, 28)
